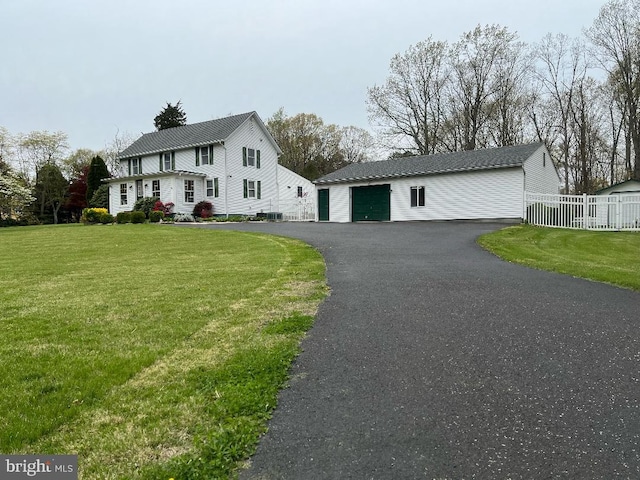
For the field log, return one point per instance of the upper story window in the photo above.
(417, 197)
(204, 155)
(135, 166)
(300, 193)
(167, 161)
(250, 157)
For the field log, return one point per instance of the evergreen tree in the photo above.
(170, 116)
(100, 198)
(97, 172)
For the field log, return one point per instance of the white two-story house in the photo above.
(231, 162)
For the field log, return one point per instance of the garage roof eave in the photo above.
(412, 174)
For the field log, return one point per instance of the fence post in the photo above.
(585, 212)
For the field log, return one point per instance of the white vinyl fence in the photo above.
(590, 212)
(301, 210)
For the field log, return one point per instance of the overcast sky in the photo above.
(93, 68)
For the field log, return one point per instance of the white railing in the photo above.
(590, 212)
(302, 210)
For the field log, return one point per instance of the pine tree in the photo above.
(97, 172)
(170, 116)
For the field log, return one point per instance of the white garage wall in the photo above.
(461, 196)
(472, 195)
(541, 176)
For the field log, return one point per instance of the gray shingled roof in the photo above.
(202, 133)
(492, 158)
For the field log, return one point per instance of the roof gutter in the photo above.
(413, 174)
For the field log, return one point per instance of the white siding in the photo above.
(630, 186)
(289, 202)
(171, 190)
(227, 167)
(250, 135)
(541, 175)
(340, 202)
(469, 195)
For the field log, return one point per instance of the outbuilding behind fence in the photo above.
(591, 212)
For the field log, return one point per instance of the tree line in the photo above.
(579, 96)
(43, 181)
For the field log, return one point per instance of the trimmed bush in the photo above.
(123, 217)
(106, 218)
(92, 215)
(203, 209)
(155, 216)
(145, 205)
(138, 217)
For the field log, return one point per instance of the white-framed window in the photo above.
(189, 191)
(204, 155)
(417, 197)
(135, 167)
(250, 157)
(123, 194)
(212, 187)
(155, 188)
(252, 189)
(300, 193)
(167, 164)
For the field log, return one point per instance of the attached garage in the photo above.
(479, 184)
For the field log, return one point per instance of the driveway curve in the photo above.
(434, 359)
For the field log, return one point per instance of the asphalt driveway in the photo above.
(433, 359)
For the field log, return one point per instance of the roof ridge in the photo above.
(247, 114)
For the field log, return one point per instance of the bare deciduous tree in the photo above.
(615, 33)
(410, 103)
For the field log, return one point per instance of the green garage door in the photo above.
(371, 203)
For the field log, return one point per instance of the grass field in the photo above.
(610, 257)
(149, 351)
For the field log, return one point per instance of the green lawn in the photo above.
(149, 351)
(611, 257)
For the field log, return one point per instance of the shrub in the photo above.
(145, 205)
(123, 217)
(155, 216)
(138, 217)
(183, 217)
(92, 215)
(165, 208)
(106, 218)
(203, 209)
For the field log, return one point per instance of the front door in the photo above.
(139, 191)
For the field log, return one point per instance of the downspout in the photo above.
(524, 194)
(226, 182)
(277, 209)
